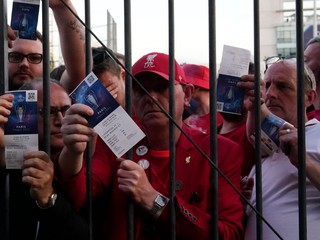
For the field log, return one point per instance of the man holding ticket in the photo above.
(145, 179)
(25, 56)
(280, 168)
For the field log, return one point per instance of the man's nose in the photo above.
(271, 91)
(24, 62)
(58, 118)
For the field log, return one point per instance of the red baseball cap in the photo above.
(158, 63)
(197, 75)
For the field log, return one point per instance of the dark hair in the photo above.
(39, 36)
(103, 62)
(57, 72)
(120, 56)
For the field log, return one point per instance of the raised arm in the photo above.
(248, 84)
(288, 136)
(72, 43)
(76, 133)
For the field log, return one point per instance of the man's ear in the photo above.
(310, 98)
(122, 74)
(188, 92)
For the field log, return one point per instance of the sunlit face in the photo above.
(281, 94)
(20, 73)
(107, 79)
(60, 100)
(147, 112)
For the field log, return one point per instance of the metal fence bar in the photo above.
(301, 121)
(258, 118)
(172, 113)
(214, 232)
(46, 69)
(88, 152)
(4, 209)
(128, 101)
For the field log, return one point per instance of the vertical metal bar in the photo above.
(301, 121)
(4, 184)
(214, 230)
(88, 152)
(46, 72)
(128, 80)
(172, 113)
(4, 49)
(257, 117)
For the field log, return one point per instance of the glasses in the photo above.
(34, 58)
(274, 59)
(54, 111)
(307, 72)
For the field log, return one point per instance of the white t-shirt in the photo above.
(280, 194)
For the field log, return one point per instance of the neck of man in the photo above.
(158, 139)
(203, 107)
(229, 126)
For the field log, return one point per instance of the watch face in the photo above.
(161, 201)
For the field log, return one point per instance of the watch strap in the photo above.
(159, 204)
(52, 200)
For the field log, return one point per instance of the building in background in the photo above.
(278, 27)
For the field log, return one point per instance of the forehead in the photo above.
(283, 71)
(26, 46)
(58, 96)
(151, 79)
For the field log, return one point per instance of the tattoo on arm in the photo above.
(77, 27)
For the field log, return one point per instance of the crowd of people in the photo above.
(47, 198)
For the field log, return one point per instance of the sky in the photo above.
(234, 26)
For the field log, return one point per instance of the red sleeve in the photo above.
(102, 164)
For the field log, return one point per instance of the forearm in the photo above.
(72, 43)
(69, 163)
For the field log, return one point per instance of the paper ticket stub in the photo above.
(234, 64)
(21, 130)
(270, 133)
(24, 18)
(110, 120)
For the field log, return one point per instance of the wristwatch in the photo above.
(51, 202)
(158, 204)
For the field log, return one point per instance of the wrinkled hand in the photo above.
(75, 127)
(247, 83)
(37, 171)
(133, 181)
(11, 36)
(288, 137)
